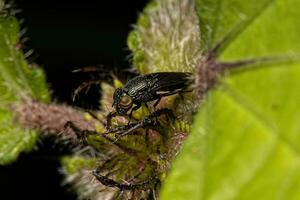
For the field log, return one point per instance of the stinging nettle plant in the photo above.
(243, 109)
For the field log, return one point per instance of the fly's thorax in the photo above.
(136, 86)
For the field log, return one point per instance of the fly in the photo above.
(145, 88)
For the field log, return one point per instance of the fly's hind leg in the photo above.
(167, 112)
(157, 102)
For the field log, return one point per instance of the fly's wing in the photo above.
(167, 83)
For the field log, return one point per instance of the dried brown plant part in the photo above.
(50, 119)
(209, 69)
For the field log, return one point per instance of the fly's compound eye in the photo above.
(126, 102)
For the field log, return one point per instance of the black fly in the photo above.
(146, 88)
(137, 91)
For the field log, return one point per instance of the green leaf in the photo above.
(18, 80)
(246, 137)
(13, 138)
(76, 163)
(223, 20)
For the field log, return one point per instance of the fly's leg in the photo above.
(147, 106)
(157, 102)
(144, 185)
(137, 106)
(119, 195)
(150, 120)
(109, 118)
(81, 134)
(143, 123)
(84, 85)
(165, 111)
(114, 114)
(108, 122)
(121, 128)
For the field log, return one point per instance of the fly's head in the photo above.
(122, 101)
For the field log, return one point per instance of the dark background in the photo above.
(66, 36)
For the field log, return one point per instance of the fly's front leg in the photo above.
(109, 118)
(150, 120)
(140, 124)
(111, 115)
(120, 129)
(137, 106)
